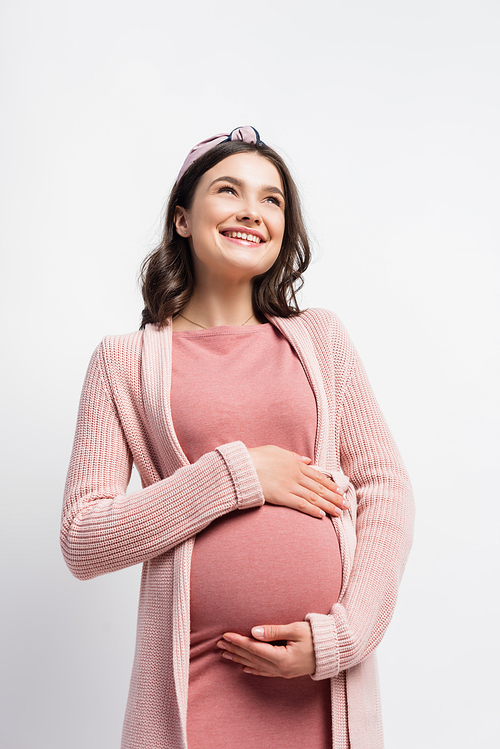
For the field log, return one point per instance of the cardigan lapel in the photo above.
(156, 373)
(156, 381)
(295, 332)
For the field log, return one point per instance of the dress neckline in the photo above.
(222, 330)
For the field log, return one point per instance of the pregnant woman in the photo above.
(275, 516)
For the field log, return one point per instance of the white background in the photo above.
(389, 115)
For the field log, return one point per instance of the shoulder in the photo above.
(123, 344)
(118, 358)
(324, 328)
(321, 319)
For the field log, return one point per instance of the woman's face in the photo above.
(236, 222)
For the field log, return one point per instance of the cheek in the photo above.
(280, 224)
(276, 225)
(280, 230)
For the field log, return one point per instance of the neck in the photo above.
(211, 308)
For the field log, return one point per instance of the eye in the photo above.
(227, 188)
(274, 199)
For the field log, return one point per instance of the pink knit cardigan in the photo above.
(125, 418)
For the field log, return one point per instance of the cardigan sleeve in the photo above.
(384, 525)
(103, 529)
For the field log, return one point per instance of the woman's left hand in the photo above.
(296, 658)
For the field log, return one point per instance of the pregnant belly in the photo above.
(268, 565)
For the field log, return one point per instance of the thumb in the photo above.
(271, 632)
(303, 458)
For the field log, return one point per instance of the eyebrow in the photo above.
(239, 183)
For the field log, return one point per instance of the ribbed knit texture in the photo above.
(124, 417)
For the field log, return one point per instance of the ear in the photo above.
(181, 221)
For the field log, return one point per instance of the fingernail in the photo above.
(322, 513)
(221, 645)
(227, 656)
(258, 631)
(346, 503)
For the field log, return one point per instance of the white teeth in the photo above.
(244, 236)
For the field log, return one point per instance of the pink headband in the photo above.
(247, 134)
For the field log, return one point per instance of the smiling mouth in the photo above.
(245, 236)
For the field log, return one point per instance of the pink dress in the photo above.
(266, 565)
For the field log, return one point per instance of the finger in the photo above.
(271, 632)
(260, 656)
(308, 498)
(294, 659)
(255, 672)
(268, 633)
(250, 647)
(251, 665)
(325, 489)
(247, 661)
(338, 479)
(320, 477)
(302, 458)
(302, 504)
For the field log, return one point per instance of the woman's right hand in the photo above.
(287, 479)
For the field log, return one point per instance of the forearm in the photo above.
(103, 529)
(102, 533)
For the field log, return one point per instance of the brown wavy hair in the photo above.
(167, 273)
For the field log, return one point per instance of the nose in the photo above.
(250, 213)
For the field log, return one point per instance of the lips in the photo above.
(245, 236)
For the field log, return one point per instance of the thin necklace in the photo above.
(203, 326)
